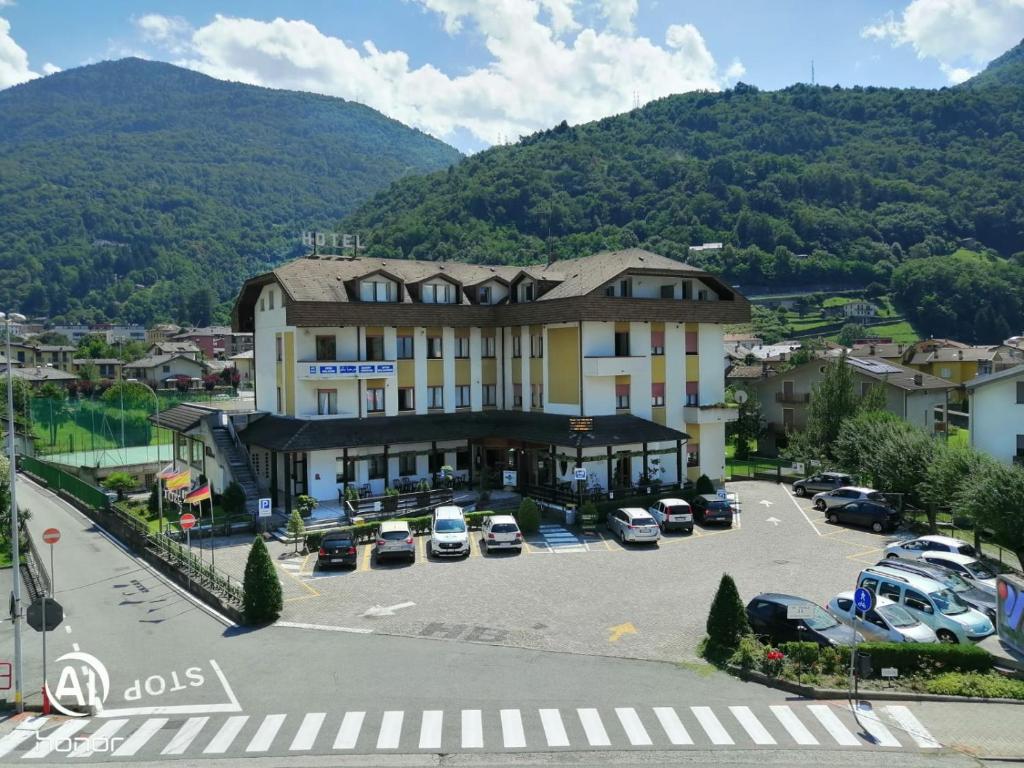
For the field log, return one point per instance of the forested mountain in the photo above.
(809, 185)
(130, 189)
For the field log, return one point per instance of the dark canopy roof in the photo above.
(288, 434)
(181, 418)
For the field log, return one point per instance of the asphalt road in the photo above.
(186, 686)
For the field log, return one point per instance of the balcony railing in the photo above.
(792, 397)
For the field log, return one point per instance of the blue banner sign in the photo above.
(347, 370)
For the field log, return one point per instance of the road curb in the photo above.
(811, 692)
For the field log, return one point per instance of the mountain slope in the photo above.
(134, 173)
(810, 185)
(1007, 70)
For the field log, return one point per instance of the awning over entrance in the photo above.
(180, 418)
(287, 434)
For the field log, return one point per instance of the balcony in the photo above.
(794, 398)
(714, 413)
(335, 370)
(612, 365)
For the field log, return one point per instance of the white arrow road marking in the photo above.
(381, 610)
(765, 502)
(773, 520)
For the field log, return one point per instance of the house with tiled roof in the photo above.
(996, 406)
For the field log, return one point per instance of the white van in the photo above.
(929, 601)
(448, 532)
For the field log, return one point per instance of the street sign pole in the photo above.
(188, 571)
(50, 536)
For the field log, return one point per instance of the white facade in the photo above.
(996, 405)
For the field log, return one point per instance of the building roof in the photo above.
(988, 378)
(897, 376)
(97, 361)
(155, 360)
(956, 354)
(38, 373)
(170, 347)
(880, 349)
(745, 372)
(181, 418)
(247, 355)
(52, 348)
(284, 433)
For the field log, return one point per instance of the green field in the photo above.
(901, 332)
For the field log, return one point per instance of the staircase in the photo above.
(240, 469)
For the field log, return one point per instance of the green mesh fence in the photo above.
(62, 481)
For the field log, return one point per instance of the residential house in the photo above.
(859, 310)
(161, 332)
(186, 348)
(217, 342)
(890, 352)
(37, 376)
(996, 405)
(243, 363)
(105, 367)
(163, 370)
(43, 355)
(960, 363)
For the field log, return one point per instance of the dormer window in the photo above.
(484, 294)
(609, 290)
(377, 290)
(438, 293)
(526, 292)
(626, 288)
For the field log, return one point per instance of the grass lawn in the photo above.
(139, 510)
(959, 437)
(900, 332)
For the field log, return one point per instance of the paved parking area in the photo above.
(587, 594)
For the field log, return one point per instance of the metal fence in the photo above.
(62, 481)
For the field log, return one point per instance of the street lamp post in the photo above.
(159, 480)
(19, 701)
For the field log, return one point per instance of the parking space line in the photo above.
(474, 546)
(859, 555)
(801, 510)
(364, 564)
(305, 561)
(421, 549)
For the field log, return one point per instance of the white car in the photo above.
(966, 567)
(887, 622)
(501, 532)
(672, 513)
(838, 497)
(448, 532)
(914, 548)
(633, 524)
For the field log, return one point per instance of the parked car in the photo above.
(966, 567)
(711, 509)
(501, 532)
(823, 481)
(394, 539)
(633, 524)
(768, 617)
(448, 532)
(672, 514)
(870, 514)
(336, 548)
(887, 622)
(978, 599)
(920, 545)
(846, 494)
(930, 601)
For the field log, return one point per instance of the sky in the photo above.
(479, 72)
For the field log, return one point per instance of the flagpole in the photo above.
(213, 549)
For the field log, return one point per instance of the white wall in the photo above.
(267, 324)
(640, 383)
(712, 451)
(712, 365)
(996, 418)
(675, 374)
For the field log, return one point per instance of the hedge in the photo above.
(991, 686)
(908, 658)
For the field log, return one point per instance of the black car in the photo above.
(870, 514)
(337, 549)
(768, 615)
(711, 509)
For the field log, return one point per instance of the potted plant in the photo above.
(446, 475)
(422, 493)
(305, 505)
(390, 499)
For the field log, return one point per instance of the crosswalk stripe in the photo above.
(905, 719)
(185, 735)
(430, 729)
(673, 726)
(512, 728)
(47, 744)
(348, 733)
(226, 735)
(266, 733)
(390, 730)
(752, 725)
(141, 737)
(554, 728)
(793, 726)
(472, 729)
(834, 726)
(22, 732)
(100, 738)
(635, 731)
(593, 727)
(883, 736)
(712, 725)
(308, 730)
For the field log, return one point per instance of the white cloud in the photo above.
(736, 70)
(13, 59)
(170, 32)
(961, 35)
(49, 68)
(544, 67)
(6, 3)
(619, 14)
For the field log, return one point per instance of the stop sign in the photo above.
(54, 615)
(186, 521)
(51, 536)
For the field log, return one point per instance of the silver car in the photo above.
(634, 524)
(840, 496)
(394, 539)
(887, 622)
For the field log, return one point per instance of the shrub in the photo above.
(153, 503)
(990, 686)
(704, 485)
(528, 516)
(296, 528)
(474, 520)
(913, 658)
(120, 482)
(232, 501)
(749, 653)
(727, 621)
(306, 505)
(261, 591)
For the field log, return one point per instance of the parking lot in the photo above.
(587, 594)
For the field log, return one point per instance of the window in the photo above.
(434, 347)
(528, 292)
(435, 397)
(484, 294)
(326, 348)
(280, 401)
(490, 394)
(657, 342)
(622, 395)
(167, 369)
(376, 467)
(517, 344)
(270, 294)
(326, 401)
(374, 399)
(487, 346)
(537, 346)
(462, 346)
(945, 373)
(890, 591)
(668, 291)
(406, 399)
(622, 343)
(438, 293)
(693, 456)
(377, 290)
(1020, 445)
(517, 395)
(405, 348)
(1020, 393)
(609, 290)
(917, 601)
(865, 388)
(462, 396)
(657, 395)
(374, 347)
(407, 464)
(626, 288)
(263, 305)
(787, 418)
(278, 348)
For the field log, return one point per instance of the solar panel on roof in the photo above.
(874, 366)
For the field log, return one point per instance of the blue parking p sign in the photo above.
(264, 507)
(864, 599)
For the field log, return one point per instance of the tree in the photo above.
(749, 426)
(200, 306)
(262, 600)
(120, 482)
(232, 501)
(802, 305)
(857, 438)
(849, 334)
(767, 325)
(296, 528)
(153, 502)
(727, 621)
(951, 467)
(52, 337)
(875, 291)
(132, 393)
(704, 486)
(832, 400)
(528, 516)
(994, 497)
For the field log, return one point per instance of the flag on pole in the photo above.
(202, 493)
(180, 480)
(167, 472)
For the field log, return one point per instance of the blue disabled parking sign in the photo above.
(864, 599)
